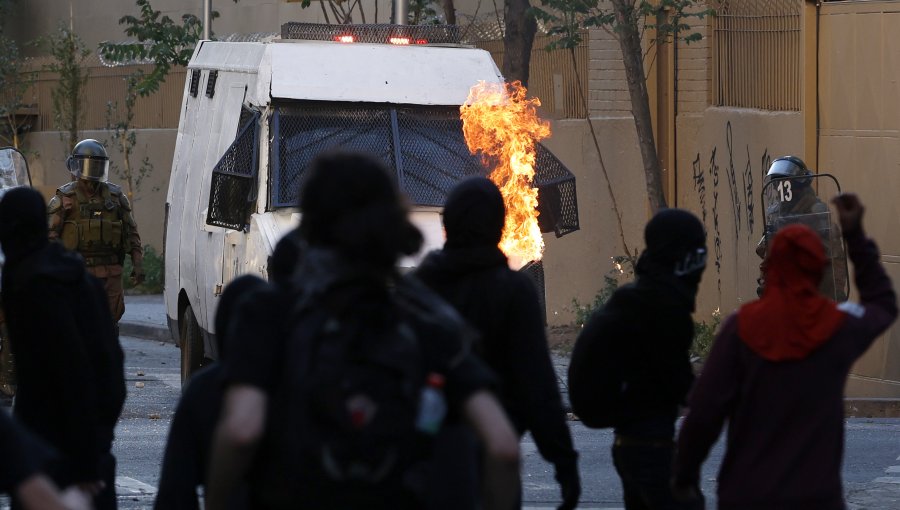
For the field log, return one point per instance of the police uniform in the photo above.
(100, 226)
(805, 202)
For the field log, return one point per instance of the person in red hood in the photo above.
(776, 373)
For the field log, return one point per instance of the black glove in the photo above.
(570, 486)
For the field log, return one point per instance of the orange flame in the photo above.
(501, 122)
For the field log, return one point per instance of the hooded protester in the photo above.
(185, 463)
(21, 472)
(473, 275)
(777, 372)
(345, 312)
(649, 327)
(71, 384)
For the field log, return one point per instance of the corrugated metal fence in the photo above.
(756, 54)
(106, 85)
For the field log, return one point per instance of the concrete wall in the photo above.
(46, 156)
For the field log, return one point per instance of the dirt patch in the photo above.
(561, 339)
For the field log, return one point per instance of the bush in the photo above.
(705, 335)
(623, 267)
(154, 271)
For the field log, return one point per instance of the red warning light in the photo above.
(399, 40)
(344, 39)
(421, 41)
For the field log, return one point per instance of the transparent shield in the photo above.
(806, 200)
(13, 169)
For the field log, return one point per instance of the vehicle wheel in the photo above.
(191, 344)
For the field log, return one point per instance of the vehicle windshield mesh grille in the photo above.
(423, 146)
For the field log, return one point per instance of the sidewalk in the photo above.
(145, 317)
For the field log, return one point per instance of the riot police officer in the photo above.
(93, 217)
(790, 197)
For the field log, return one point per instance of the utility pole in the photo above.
(401, 12)
(207, 18)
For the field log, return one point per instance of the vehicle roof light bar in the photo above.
(372, 33)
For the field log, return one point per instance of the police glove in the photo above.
(570, 486)
(137, 276)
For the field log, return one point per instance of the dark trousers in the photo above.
(645, 467)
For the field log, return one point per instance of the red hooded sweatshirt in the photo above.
(776, 373)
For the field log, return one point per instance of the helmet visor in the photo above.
(785, 168)
(90, 169)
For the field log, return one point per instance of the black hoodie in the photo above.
(503, 306)
(71, 384)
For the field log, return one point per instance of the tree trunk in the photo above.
(632, 52)
(517, 40)
(449, 11)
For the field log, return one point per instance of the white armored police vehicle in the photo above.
(255, 114)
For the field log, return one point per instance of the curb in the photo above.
(872, 407)
(146, 330)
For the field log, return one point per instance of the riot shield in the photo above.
(13, 169)
(806, 199)
(13, 173)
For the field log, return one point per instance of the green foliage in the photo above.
(154, 271)
(668, 19)
(623, 268)
(159, 40)
(68, 52)
(704, 335)
(422, 11)
(14, 82)
(124, 139)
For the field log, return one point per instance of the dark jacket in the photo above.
(785, 419)
(188, 448)
(23, 455)
(652, 330)
(503, 306)
(71, 384)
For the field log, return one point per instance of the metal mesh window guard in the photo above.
(422, 145)
(233, 188)
(756, 54)
(557, 201)
(372, 33)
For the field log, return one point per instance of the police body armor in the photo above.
(789, 200)
(95, 226)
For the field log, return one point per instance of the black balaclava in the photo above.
(23, 223)
(234, 291)
(675, 250)
(350, 203)
(474, 214)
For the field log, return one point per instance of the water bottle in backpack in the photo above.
(432, 405)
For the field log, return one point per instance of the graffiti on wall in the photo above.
(741, 193)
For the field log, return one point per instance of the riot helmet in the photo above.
(89, 161)
(788, 167)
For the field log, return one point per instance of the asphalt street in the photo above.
(871, 465)
(873, 446)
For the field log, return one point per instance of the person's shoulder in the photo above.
(203, 385)
(68, 188)
(113, 188)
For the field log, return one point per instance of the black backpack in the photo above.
(341, 430)
(596, 370)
